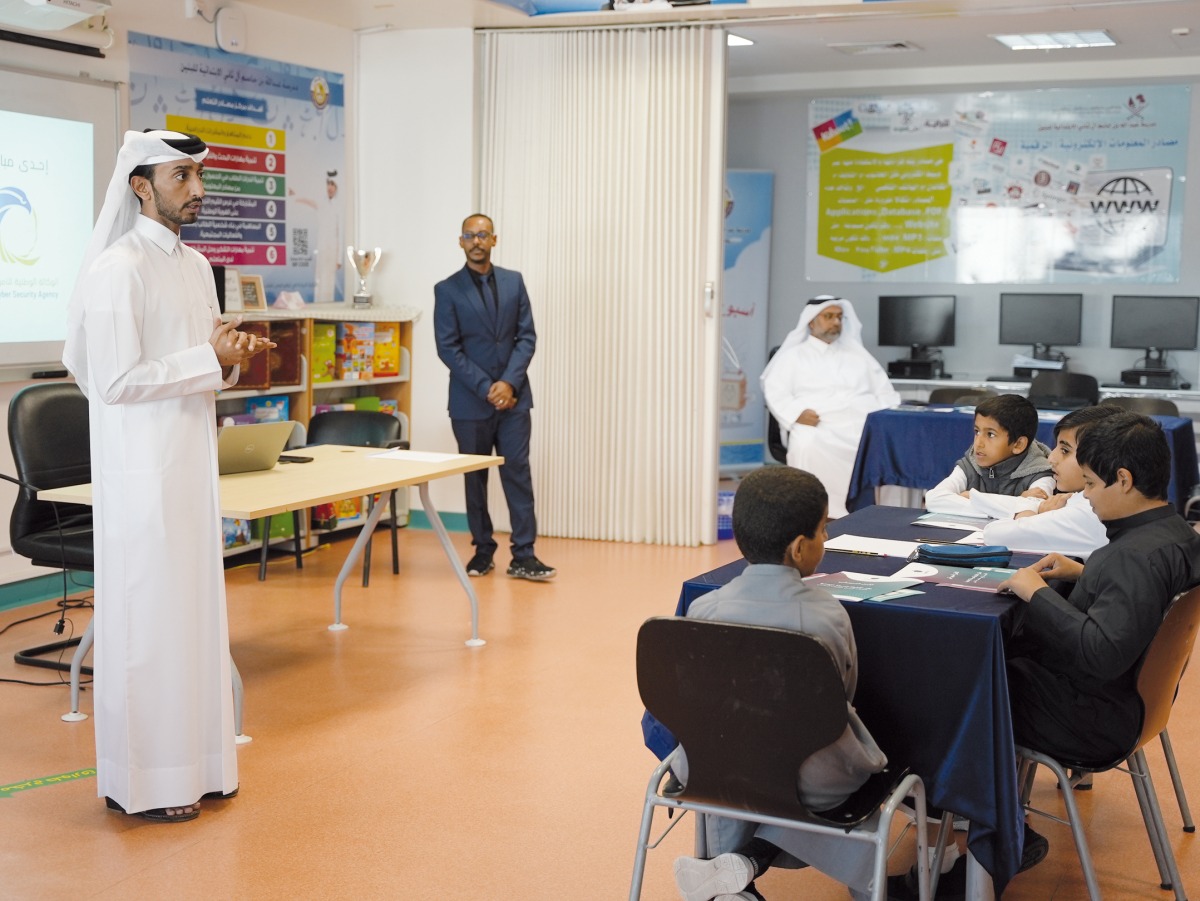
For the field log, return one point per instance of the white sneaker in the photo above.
(950, 855)
(703, 880)
(740, 896)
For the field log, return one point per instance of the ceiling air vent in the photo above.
(862, 48)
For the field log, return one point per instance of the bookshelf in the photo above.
(311, 391)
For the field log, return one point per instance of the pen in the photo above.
(834, 550)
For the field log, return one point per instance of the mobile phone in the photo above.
(293, 458)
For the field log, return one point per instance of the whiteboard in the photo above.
(58, 145)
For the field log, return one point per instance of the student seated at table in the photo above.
(1063, 522)
(1005, 458)
(779, 517)
(1072, 662)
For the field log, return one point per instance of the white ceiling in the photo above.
(794, 37)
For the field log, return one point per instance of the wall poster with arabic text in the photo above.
(1048, 186)
(274, 204)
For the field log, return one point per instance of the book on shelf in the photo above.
(285, 356)
(235, 532)
(256, 372)
(387, 349)
(324, 351)
(355, 351)
(268, 409)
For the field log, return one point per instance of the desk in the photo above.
(932, 688)
(336, 472)
(917, 447)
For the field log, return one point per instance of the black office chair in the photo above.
(51, 447)
(1151, 406)
(959, 395)
(362, 428)
(750, 704)
(1063, 390)
(775, 445)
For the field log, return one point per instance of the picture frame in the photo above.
(254, 295)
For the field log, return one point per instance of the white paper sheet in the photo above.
(417, 456)
(872, 547)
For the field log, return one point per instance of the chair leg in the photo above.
(1081, 846)
(238, 698)
(395, 539)
(1137, 763)
(1173, 768)
(945, 830)
(643, 845)
(1156, 835)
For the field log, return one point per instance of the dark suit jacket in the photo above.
(480, 347)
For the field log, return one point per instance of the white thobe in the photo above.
(1074, 530)
(842, 384)
(162, 687)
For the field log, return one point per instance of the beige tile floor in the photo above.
(391, 761)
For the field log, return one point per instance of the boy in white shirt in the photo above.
(1064, 522)
(1005, 459)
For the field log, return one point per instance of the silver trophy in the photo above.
(364, 262)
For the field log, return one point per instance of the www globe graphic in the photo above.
(1119, 202)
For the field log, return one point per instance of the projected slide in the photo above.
(46, 200)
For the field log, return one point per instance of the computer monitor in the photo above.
(920, 321)
(1041, 321)
(1154, 324)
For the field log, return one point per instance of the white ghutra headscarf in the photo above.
(851, 327)
(117, 216)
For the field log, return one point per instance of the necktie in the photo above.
(489, 298)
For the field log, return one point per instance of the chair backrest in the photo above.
(360, 428)
(1151, 406)
(1164, 662)
(749, 704)
(1064, 390)
(956, 395)
(51, 447)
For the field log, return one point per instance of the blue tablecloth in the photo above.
(931, 686)
(917, 447)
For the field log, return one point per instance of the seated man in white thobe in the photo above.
(820, 386)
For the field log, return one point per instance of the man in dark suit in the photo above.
(483, 326)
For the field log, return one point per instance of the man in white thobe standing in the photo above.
(820, 386)
(146, 345)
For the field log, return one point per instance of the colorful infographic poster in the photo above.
(274, 204)
(1062, 185)
(748, 209)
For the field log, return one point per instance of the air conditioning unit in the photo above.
(49, 15)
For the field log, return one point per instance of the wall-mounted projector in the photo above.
(49, 15)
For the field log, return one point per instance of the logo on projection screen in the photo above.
(1123, 225)
(18, 228)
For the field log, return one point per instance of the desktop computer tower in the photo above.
(915, 369)
(1148, 378)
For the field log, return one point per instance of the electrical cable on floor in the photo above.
(60, 607)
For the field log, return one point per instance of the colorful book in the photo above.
(387, 349)
(355, 351)
(268, 409)
(981, 578)
(848, 586)
(324, 351)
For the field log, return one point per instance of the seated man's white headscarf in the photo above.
(121, 209)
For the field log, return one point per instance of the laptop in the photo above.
(252, 447)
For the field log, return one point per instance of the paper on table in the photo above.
(881, 547)
(951, 521)
(981, 578)
(416, 456)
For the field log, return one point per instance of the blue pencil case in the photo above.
(964, 555)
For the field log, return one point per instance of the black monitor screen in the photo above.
(926, 320)
(1164, 323)
(1040, 319)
